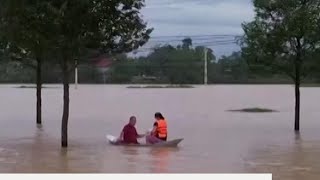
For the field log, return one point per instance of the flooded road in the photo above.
(215, 140)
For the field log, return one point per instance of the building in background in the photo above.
(103, 63)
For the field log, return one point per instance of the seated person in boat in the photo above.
(129, 134)
(159, 132)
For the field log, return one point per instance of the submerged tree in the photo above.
(281, 39)
(25, 33)
(109, 26)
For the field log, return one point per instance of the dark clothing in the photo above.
(130, 134)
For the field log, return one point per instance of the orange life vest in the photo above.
(162, 128)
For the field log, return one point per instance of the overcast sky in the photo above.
(197, 17)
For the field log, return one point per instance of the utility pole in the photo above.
(205, 66)
(76, 75)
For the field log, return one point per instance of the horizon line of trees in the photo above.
(181, 64)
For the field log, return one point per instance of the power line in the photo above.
(203, 35)
(211, 40)
(198, 44)
(198, 39)
(178, 38)
(214, 43)
(207, 42)
(201, 41)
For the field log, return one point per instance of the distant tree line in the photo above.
(182, 64)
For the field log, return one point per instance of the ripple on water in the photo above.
(8, 156)
(272, 164)
(297, 168)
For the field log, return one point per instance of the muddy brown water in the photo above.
(215, 140)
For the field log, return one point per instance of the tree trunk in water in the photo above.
(297, 87)
(65, 116)
(297, 106)
(39, 87)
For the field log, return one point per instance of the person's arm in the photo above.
(121, 136)
(154, 130)
(139, 135)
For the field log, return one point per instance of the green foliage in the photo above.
(107, 26)
(175, 65)
(234, 66)
(26, 29)
(282, 36)
(168, 64)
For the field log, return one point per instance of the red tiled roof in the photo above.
(103, 62)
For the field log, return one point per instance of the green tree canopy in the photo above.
(282, 37)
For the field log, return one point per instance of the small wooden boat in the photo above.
(171, 143)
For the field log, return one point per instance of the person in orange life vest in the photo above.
(129, 134)
(159, 132)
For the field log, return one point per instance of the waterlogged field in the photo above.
(216, 140)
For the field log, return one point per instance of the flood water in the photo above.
(215, 140)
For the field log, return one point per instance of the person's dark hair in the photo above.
(132, 118)
(158, 116)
